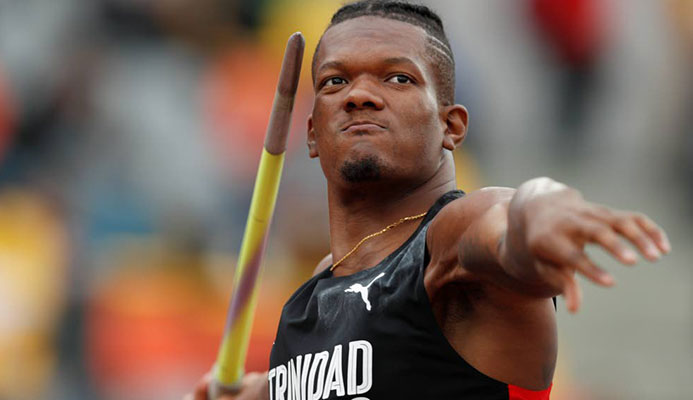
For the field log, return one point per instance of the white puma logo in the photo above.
(359, 288)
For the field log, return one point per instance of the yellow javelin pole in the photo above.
(228, 369)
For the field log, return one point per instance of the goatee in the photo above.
(366, 169)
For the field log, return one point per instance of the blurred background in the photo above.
(130, 132)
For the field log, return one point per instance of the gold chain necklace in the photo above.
(372, 235)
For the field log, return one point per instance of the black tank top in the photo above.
(372, 335)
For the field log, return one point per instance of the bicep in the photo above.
(471, 225)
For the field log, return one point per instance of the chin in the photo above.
(367, 168)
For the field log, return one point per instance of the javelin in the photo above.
(228, 369)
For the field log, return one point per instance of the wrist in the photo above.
(511, 258)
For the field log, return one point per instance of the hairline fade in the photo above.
(437, 44)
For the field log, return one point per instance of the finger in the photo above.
(219, 391)
(550, 274)
(280, 118)
(200, 392)
(250, 384)
(655, 232)
(565, 253)
(571, 291)
(604, 235)
(588, 269)
(600, 212)
(626, 226)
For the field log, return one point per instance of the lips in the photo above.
(363, 126)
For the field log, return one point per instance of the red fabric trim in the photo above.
(518, 393)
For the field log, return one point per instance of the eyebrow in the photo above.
(399, 60)
(331, 64)
(390, 61)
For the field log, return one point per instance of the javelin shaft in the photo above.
(228, 369)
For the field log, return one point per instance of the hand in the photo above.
(254, 386)
(548, 227)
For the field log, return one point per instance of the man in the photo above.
(427, 294)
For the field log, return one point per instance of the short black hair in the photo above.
(438, 45)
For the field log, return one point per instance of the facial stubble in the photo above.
(364, 169)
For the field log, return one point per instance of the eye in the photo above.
(401, 79)
(335, 80)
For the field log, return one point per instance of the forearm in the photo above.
(534, 243)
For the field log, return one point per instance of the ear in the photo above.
(312, 145)
(456, 119)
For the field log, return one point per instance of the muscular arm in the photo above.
(531, 240)
(497, 257)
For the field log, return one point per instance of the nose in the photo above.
(363, 95)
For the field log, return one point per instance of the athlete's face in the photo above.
(376, 115)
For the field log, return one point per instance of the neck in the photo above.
(356, 212)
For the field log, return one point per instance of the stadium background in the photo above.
(130, 131)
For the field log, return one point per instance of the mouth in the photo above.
(356, 127)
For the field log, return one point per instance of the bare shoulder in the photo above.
(323, 264)
(448, 228)
(453, 219)
(478, 201)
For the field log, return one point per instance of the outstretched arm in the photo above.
(531, 240)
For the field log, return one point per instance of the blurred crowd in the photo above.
(130, 133)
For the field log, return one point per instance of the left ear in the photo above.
(456, 118)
